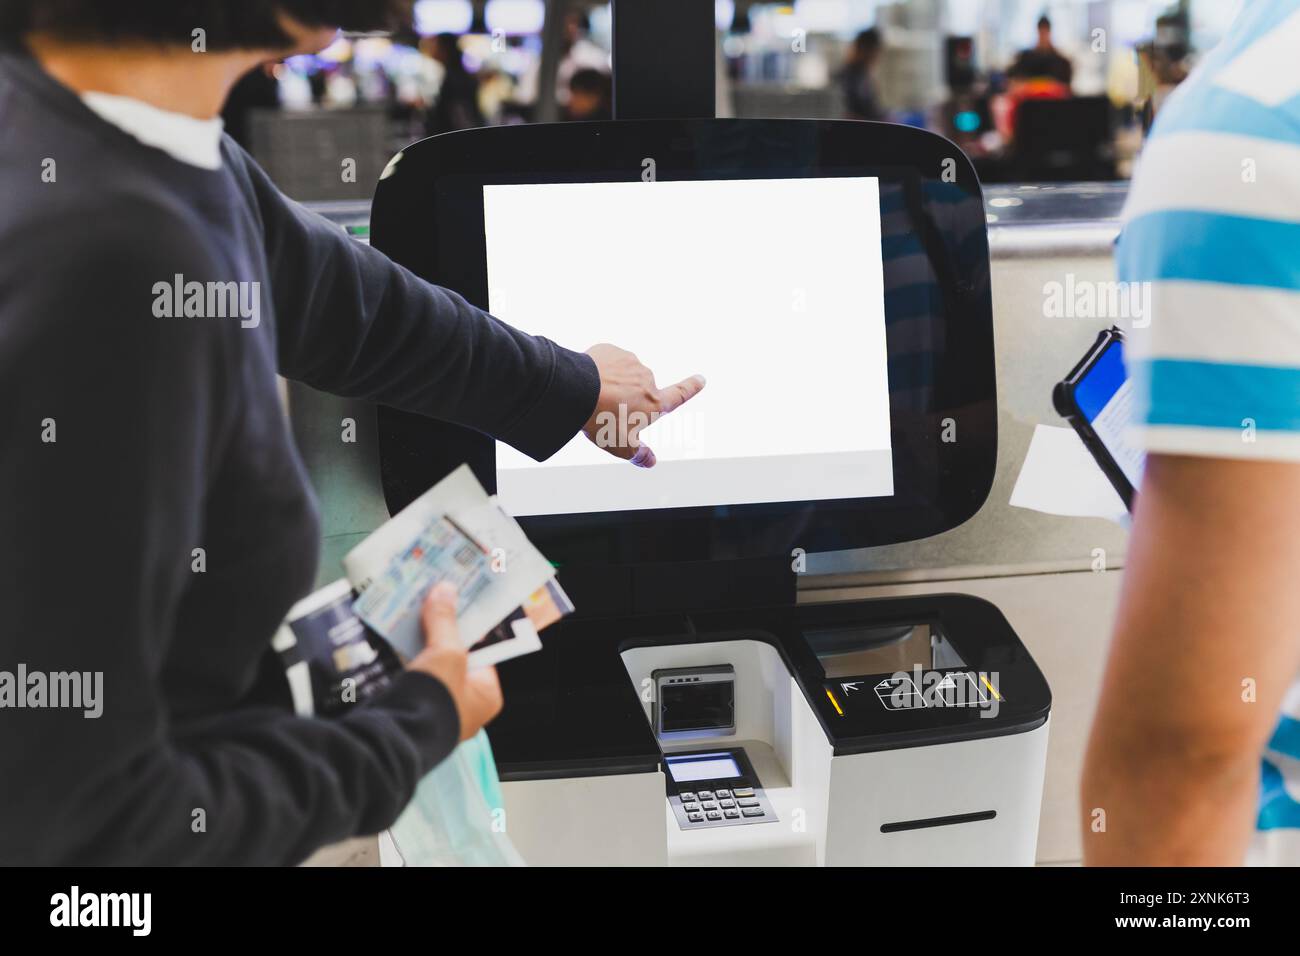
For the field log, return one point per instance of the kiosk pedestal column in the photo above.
(664, 52)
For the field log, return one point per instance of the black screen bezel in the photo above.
(427, 215)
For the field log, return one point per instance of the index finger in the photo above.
(674, 396)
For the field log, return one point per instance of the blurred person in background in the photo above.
(580, 52)
(858, 78)
(341, 90)
(591, 96)
(257, 90)
(1162, 68)
(457, 104)
(1039, 73)
(1043, 61)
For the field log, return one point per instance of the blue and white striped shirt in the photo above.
(1213, 224)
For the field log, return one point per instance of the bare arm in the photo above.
(1211, 600)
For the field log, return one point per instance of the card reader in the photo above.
(695, 701)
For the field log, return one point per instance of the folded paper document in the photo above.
(338, 644)
(455, 532)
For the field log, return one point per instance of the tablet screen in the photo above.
(1105, 397)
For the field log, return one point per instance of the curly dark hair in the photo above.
(227, 24)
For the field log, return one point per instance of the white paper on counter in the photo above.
(1060, 477)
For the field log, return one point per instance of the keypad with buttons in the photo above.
(725, 803)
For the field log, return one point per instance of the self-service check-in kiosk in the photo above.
(831, 279)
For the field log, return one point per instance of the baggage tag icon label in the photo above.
(899, 693)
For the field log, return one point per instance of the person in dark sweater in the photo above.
(155, 518)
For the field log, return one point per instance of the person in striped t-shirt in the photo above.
(1200, 685)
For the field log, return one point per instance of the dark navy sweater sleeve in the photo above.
(354, 323)
(117, 423)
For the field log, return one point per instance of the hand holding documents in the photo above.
(338, 643)
(455, 532)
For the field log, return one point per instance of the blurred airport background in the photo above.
(1032, 90)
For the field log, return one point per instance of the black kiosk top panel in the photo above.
(572, 711)
(931, 278)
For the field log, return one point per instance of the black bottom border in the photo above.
(360, 906)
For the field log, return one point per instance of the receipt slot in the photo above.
(831, 280)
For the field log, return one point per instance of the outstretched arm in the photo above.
(352, 322)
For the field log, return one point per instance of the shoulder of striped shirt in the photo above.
(1248, 86)
(1228, 140)
(1225, 160)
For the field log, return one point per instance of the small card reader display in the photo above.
(695, 701)
(716, 788)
